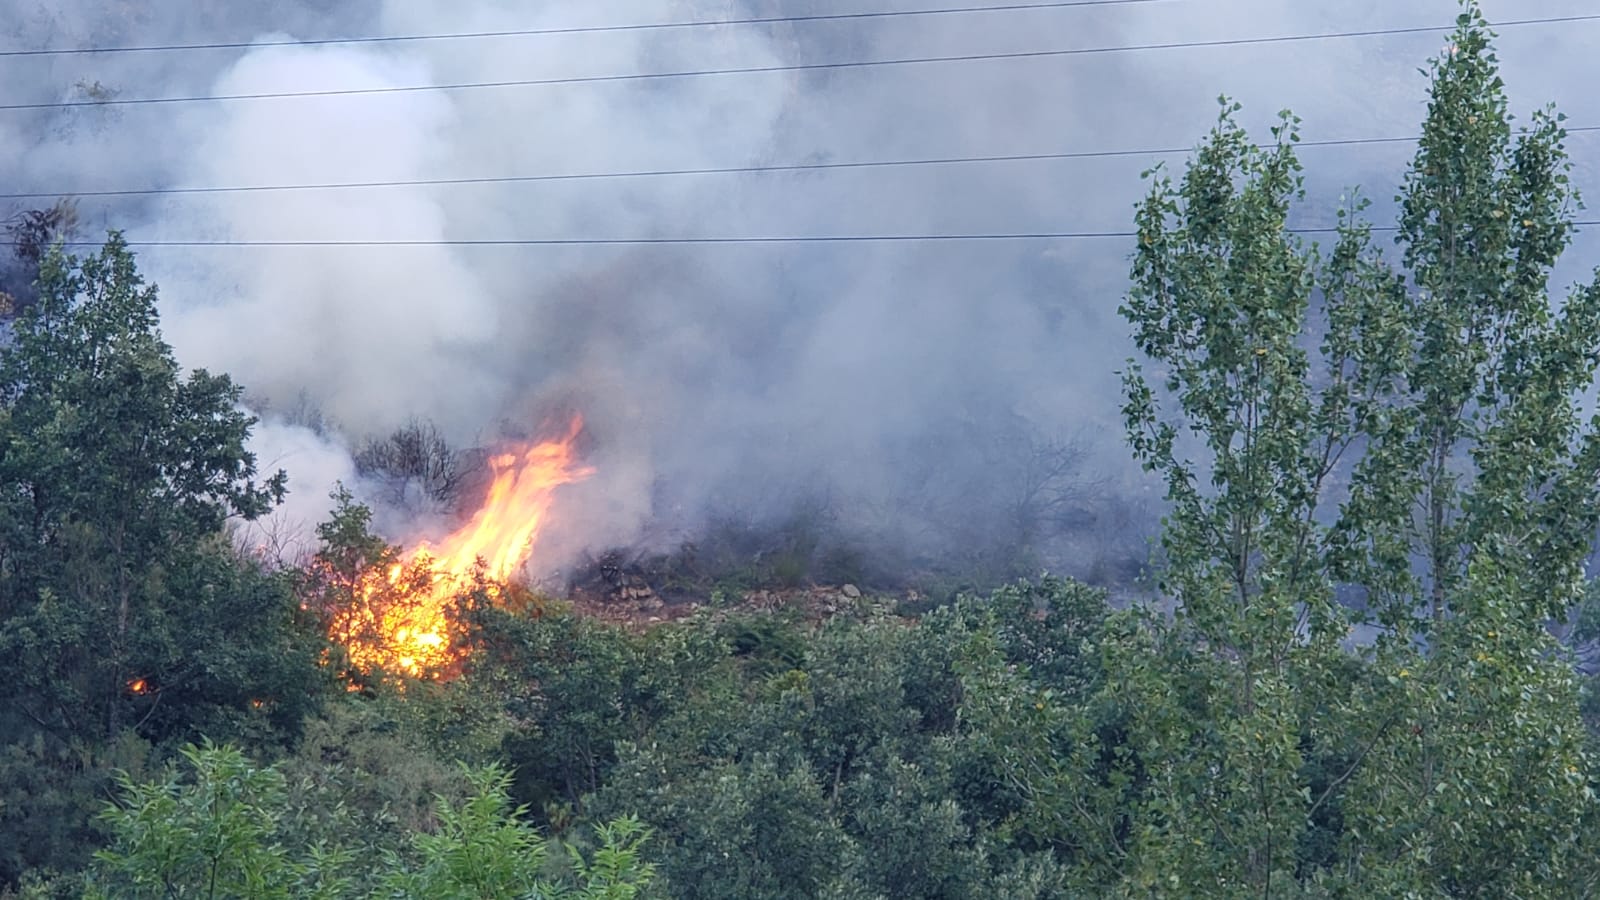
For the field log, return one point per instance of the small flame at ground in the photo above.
(402, 626)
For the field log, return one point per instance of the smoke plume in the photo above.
(930, 397)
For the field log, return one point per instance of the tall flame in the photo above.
(401, 625)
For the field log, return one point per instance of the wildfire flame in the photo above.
(401, 624)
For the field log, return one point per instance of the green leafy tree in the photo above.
(51, 792)
(346, 589)
(573, 689)
(759, 827)
(225, 829)
(887, 759)
(116, 472)
(485, 850)
(217, 836)
(1429, 458)
(1220, 298)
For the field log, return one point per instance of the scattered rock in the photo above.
(763, 600)
(617, 588)
(638, 595)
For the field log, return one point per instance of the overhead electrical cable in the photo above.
(695, 241)
(575, 29)
(792, 67)
(706, 171)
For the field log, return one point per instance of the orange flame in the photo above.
(401, 624)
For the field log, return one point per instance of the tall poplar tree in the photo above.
(1355, 442)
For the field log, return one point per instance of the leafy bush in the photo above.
(224, 828)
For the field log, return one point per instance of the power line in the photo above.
(614, 242)
(698, 241)
(579, 29)
(659, 173)
(796, 67)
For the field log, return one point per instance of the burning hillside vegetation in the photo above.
(395, 615)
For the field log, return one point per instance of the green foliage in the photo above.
(49, 794)
(1052, 626)
(479, 850)
(1444, 398)
(766, 643)
(890, 759)
(756, 828)
(361, 775)
(573, 689)
(115, 476)
(234, 658)
(224, 830)
(215, 837)
(122, 606)
(614, 871)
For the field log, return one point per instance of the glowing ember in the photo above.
(138, 686)
(401, 624)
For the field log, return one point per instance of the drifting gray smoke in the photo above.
(932, 396)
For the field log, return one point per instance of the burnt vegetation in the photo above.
(415, 467)
(30, 234)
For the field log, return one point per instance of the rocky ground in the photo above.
(616, 594)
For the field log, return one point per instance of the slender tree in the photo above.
(1404, 432)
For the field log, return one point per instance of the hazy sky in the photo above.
(713, 377)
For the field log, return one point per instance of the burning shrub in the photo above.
(399, 614)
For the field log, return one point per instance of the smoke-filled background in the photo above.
(932, 400)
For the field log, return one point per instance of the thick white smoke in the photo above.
(314, 463)
(911, 386)
(481, 342)
(375, 335)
